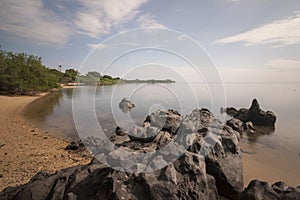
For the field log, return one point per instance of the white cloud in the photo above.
(29, 19)
(181, 37)
(98, 46)
(284, 64)
(105, 46)
(149, 21)
(278, 33)
(98, 17)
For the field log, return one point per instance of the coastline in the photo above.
(28, 150)
(25, 149)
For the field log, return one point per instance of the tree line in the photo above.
(24, 74)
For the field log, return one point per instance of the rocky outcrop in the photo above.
(182, 157)
(254, 114)
(185, 179)
(257, 190)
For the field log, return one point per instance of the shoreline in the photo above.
(26, 149)
(34, 149)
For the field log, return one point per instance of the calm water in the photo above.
(53, 113)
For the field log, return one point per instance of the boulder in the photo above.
(224, 163)
(256, 115)
(125, 105)
(185, 179)
(169, 120)
(75, 146)
(263, 190)
(236, 125)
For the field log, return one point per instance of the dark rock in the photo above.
(231, 111)
(236, 124)
(185, 179)
(125, 105)
(248, 126)
(198, 158)
(224, 163)
(256, 115)
(263, 190)
(40, 176)
(75, 146)
(165, 120)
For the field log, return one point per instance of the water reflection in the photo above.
(54, 112)
(42, 108)
(258, 132)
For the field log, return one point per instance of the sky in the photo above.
(235, 40)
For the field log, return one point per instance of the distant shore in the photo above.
(25, 149)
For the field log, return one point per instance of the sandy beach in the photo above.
(25, 149)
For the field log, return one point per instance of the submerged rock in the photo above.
(254, 114)
(263, 190)
(125, 105)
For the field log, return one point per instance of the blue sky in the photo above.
(247, 40)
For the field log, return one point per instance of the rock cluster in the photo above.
(254, 115)
(184, 157)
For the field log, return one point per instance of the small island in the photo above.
(95, 78)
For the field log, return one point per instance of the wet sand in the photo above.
(271, 165)
(25, 149)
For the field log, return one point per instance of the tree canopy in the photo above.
(24, 74)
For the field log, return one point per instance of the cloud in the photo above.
(181, 37)
(98, 46)
(149, 21)
(278, 33)
(284, 64)
(29, 19)
(105, 46)
(99, 17)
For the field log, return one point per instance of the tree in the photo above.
(94, 74)
(25, 74)
(72, 74)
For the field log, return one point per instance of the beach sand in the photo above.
(25, 149)
(271, 166)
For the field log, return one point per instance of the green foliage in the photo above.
(108, 80)
(25, 74)
(107, 77)
(89, 78)
(94, 74)
(71, 75)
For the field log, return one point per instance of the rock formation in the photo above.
(184, 157)
(125, 105)
(253, 114)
